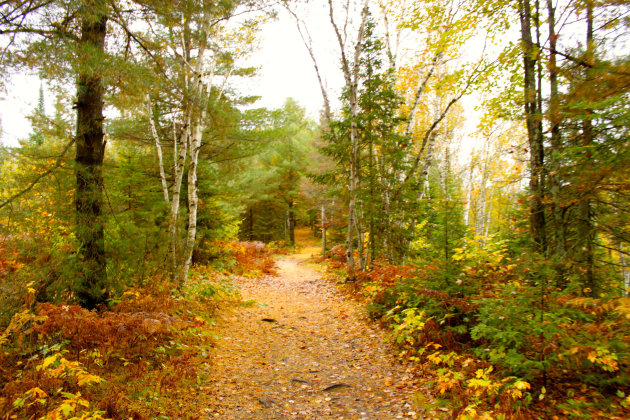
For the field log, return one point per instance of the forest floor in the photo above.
(304, 350)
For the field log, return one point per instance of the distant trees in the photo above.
(384, 138)
(392, 130)
(275, 201)
(380, 154)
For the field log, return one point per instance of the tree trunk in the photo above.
(556, 148)
(585, 229)
(158, 147)
(371, 245)
(90, 151)
(446, 182)
(353, 181)
(323, 229)
(487, 224)
(291, 224)
(198, 108)
(360, 242)
(534, 130)
(625, 271)
(193, 203)
(426, 166)
(481, 224)
(351, 76)
(180, 147)
(467, 206)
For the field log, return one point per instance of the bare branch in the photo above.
(420, 91)
(308, 43)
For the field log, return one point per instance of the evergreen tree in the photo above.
(275, 203)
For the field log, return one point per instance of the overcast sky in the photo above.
(286, 70)
(18, 101)
(286, 67)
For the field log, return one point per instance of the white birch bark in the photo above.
(158, 147)
(199, 107)
(484, 209)
(351, 76)
(180, 146)
(469, 194)
(308, 43)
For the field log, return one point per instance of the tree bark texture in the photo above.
(557, 211)
(291, 223)
(534, 130)
(585, 229)
(90, 151)
(180, 147)
(351, 75)
(199, 102)
(323, 216)
(158, 148)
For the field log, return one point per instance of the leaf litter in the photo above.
(304, 352)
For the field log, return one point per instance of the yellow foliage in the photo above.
(604, 359)
(521, 385)
(623, 306)
(68, 409)
(598, 307)
(38, 392)
(17, 323)
(58, 366)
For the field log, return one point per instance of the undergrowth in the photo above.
(143, 358)
(240, 258)
(497, 339)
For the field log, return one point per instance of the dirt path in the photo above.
(304, 352)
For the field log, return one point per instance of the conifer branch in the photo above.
(41, 176)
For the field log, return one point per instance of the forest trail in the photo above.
(304, 351)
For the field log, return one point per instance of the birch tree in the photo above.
(203, 50)
(350, 16)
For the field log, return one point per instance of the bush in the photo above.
(500, 336)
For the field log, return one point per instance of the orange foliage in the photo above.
(134, 344)
(385, 274)
(9, 258)
(126, 333)
(251, 257)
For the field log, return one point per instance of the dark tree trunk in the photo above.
(323, 217)
(585, 230)
(250, 235)
(291, 223)
(557, 208)
(90, 150)
(534, 130)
